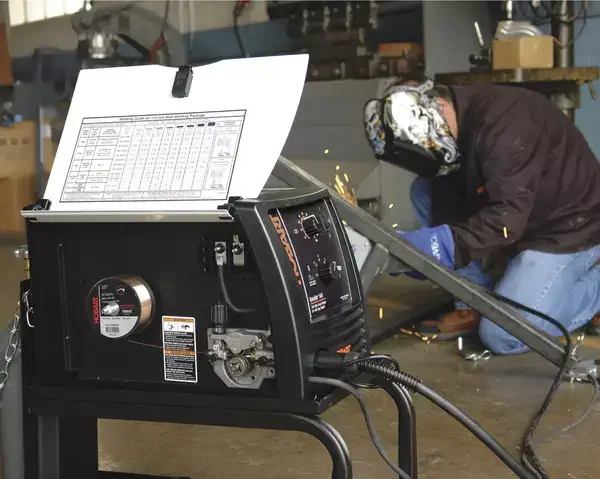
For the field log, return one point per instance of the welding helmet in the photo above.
(406, 128)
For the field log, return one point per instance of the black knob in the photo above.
(311, 226)
(218, 318)
(327, 272)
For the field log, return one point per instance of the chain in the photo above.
(13, 340)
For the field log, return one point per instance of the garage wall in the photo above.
(449, 34)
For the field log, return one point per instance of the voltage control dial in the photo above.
(310, 225)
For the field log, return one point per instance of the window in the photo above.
(27, 11)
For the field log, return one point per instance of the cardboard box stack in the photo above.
(18, 172)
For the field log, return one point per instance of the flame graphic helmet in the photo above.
(407, 128)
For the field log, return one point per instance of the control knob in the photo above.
(327, 272)
(310, 225)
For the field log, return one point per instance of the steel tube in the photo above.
(564, 51)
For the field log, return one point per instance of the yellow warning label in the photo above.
(178, 319)
(179, 349)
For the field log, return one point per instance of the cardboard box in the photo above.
(401, 50)
(523, 52)
(17, 149)
(15, 193)
(395, 59)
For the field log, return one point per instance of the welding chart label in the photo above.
(179, 349)
(188, 156)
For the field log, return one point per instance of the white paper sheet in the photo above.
(129, 145)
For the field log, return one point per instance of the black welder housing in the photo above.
(177, 261)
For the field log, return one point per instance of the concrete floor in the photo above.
(501, 394)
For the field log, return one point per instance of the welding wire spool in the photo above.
(119, 306)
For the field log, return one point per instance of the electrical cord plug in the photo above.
(327, 360)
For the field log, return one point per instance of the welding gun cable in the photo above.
(370, 427)
(226, 296)
(528, 446)
(417, 386)
(373, 357)
(579, 420)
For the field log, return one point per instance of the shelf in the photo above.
(577, 75)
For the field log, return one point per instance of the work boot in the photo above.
(462, 322)
(593, 328)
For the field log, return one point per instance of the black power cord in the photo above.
(553, 14)
(238, 9)
(373, 365)
(370, 427)
(417, 386)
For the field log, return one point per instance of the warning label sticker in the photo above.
(179, 349)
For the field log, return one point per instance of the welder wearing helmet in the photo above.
(499, 169)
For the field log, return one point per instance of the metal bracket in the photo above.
(238, 252)
(220, 253)
(583, 370)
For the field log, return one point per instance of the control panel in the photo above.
(316, 250)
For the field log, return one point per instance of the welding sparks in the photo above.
(380, 313)
(395, 225)
(327, 152)
(391, 206)
(505, 233)
(426, 339)
(343, 188)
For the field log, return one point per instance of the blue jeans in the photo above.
(564, 286)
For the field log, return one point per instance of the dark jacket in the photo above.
(528, 179)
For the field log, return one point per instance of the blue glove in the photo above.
(437, 242)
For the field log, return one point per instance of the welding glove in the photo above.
(437, 242)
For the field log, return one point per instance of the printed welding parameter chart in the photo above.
(187, 156)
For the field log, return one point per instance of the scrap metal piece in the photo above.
(582, 371)
(471, 355)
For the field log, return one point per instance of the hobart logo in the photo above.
(286, 245)
(96, 310)
(435, 247)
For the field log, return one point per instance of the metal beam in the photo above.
(476, 297)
